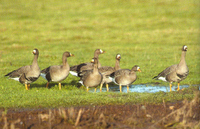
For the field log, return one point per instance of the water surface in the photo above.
(143, 88)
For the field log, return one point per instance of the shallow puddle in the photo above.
(152, 89)
(142, 88)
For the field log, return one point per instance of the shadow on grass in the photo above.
(55, 84)
(36, 85)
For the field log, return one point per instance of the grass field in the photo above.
(147, 33)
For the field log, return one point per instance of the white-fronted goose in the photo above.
(107, 70)
(57, 73)
(177, 72)
(125, 77)
(74, 70)
(27, 74)
(92, 78)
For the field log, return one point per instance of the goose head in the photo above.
(92, 60)
(35, 51)
(184, 48)
(99, 51)
(136, 68)
(118, 56)
(95, 60)
(67, 54)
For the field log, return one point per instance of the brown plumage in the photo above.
(177, 72)
(57, 73)
(107, 70)
(27, 74)
(125, 77)
(92, 78)
(74, 70)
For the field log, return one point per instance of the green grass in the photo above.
(147, 33)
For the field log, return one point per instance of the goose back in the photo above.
(74, 70)
(125, 76)
(57, 73)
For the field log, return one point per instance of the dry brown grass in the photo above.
(184, 114)
(185, 117)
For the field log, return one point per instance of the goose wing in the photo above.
(19, 72)
(167, 71)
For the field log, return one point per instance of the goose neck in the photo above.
(117, 66)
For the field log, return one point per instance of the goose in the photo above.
(27, 74)
(107, 70)
(57, 73)
(125, 77)
(74, 70)
(92, 78)
(175, 73)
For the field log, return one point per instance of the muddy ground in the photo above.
(180, 114)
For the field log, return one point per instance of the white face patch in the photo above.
(185, 47)
(34, 51)
(101, 51)
(118, 56)
(138, 68)
(92, 61)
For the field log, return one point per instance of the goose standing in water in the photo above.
(57, 73)
(27, 74)
(175, 73)
(92, 78)
(125, 77)
(74, 70)
(107, 70)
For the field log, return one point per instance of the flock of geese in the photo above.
(93, 74)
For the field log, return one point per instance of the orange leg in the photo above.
(101, 87)
(87, 89)
(178, 86)
(95, 90)
(47, 85)
(59, 85)
(120, 88)
(127, 88)
(170, 86)
(107, 87)
(26, 86)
